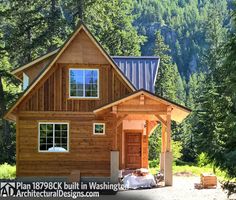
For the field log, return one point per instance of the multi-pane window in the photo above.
(53, 137)
(84, 83)
(98, 128)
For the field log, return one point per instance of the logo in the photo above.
(7, 189)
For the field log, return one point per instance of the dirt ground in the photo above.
(183, 188)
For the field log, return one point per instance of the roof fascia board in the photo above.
(59, 52)
(152, 96)
(109, 58)
(18, 69)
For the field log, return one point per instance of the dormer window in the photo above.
(84, 83)
(25, 81)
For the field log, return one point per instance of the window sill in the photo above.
(83, 98)
(49, 152)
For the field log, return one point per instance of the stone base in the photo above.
(162, 162)
(168, 168)
(114, 178)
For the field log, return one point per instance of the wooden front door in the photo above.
(133, 150)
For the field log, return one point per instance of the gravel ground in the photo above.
(183, 188)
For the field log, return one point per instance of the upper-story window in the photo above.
(25, 81)
(84, 83)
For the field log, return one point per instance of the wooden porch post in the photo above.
(163, 146)
(168, 154)
(114, 159)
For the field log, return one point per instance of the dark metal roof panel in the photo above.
(141, 71)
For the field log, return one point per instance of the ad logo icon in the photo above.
(7, 189)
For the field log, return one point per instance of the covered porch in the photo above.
(133, 119)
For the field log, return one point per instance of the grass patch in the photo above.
(7, 171)
(195, 170)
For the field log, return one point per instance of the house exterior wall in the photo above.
(49, 101)
(53, 93)
(33, 71)
(87, 152)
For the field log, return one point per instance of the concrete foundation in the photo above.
(162, 162)
(114, 166)
(168, 168)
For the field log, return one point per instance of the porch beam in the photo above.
(148, 108)
(114, 110)
(142, 112)
(163, 122)
(120, 119)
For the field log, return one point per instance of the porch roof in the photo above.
(143, 102)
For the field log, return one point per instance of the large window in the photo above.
(53, 137)
(84, 83)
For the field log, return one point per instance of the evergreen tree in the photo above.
(227, 148)
(41, 31)
(8, 88)
(210, 126)
(169, 83)
(111, 22)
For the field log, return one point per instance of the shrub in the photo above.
(7, 171)
(153, 163)
(155, 146)
(202, 160)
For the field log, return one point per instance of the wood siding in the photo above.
(83, 51)
(87, 152)
(49, 101)
(53, 93)
(33, 71)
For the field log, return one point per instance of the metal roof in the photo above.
(140, 70)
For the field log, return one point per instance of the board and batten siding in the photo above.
(53, 94)
(49, 101)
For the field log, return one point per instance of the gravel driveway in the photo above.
(183, 188)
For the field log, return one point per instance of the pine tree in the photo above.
(41, 31)
(8, 88)
(210, 129)
(169, 83)
(111, 22)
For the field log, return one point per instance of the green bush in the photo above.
(202, 160)
(153, 163)
(7, 171)
(155, 147)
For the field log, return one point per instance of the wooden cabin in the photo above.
(82, 109)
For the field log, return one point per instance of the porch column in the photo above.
(114, 157)
(168, 154)
(163, 147)
(114, 166)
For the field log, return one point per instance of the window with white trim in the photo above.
(84, 83)
(99, 128)
(53, 137)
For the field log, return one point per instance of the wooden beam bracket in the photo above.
(142, 99)
(161, 120)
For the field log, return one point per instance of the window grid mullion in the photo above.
(53, 136)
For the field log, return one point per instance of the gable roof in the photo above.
(57, 55)
(141, 71)
(179, 112)
(37, 60)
